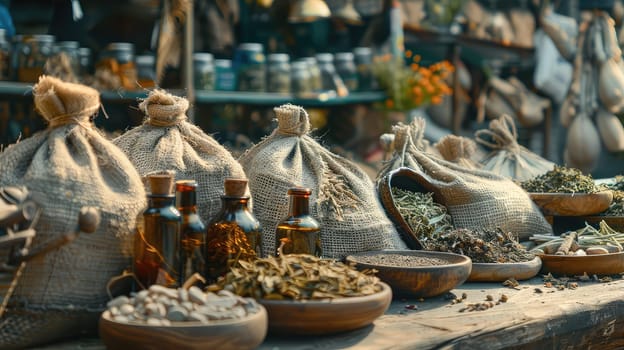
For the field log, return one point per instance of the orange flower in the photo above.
(389, 103)
(408, 53)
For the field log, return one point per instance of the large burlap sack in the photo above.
(343, 197)
(65, 167)
(475, 199)
(167, 141)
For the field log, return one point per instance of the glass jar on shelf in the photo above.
(86, 61)
(363, 57)
(301, 79)
(225, 78)
(316, 80)
(70, 49)
(30, 55)
(278, 73)
(345, 67)
(146, 71)
(249, 64)
(203, 65)
(329, 77)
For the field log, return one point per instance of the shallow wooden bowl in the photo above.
(572, 265)
(572, 204)
(500, 272)
(246, 333)
(316, 317)
(418, 281)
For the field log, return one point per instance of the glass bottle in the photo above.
(192, 230)
(156, 259)
(234, 233)
(299, 232)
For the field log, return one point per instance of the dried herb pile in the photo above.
(561, 180)
(482, 246)
(617, 205)
(297, 277)
(426, 218)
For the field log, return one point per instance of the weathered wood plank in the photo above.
(590, 317)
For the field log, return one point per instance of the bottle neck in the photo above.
(233, 203)
(160, 201)
(299, 205)
(186, 201)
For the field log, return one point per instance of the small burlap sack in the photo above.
(167, 141)
(475, 199)
(459, 150)
(65, 167)
(507, 157)
(343, 198)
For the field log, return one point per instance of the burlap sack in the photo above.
(506, 156)
(343, 198)
(459, 150)
(475, 199)
(65, 167)
(167, 141)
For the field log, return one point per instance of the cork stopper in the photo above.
(235, 187)
(161, 183)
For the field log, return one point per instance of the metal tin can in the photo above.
(203, 66)
(278, 73)
(249, 65)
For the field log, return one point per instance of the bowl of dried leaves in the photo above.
(415, 273)
(567, 192)
(307, 295)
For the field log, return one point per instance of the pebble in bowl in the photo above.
(415, 273)
(167, 318)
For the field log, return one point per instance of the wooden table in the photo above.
(534, 317)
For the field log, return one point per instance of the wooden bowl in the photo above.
(572, 204)
(500, 272)
(418, 281)
(572, 265)
(245, 333)
(316, 317)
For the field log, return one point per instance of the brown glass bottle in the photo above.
(192, 230)
(234, 234)
(299, 232)
(156, 259)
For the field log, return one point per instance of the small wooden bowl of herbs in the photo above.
(415, 273)
(306, 295)
(567, 192)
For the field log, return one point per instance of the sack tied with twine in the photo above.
(65, 167)
(475, 199)
(168, 141)
(507, 157)
(343, 198)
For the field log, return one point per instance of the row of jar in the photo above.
(250, 70)
(23, 58)
(172, 243)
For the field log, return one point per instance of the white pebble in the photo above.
(183, 295)
(120, 300)
(153, 322)
(126, 309)
(196, 316)
(196, 295)
(177, 314)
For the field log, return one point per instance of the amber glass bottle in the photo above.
(192, 230)
(234, 233)
(299, 232)
(156, 258)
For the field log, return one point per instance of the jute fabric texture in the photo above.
(343, 197)
(65, 167)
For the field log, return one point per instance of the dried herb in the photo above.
(226, 244)
(297, 277)
(426, 218)
(482, 246)
(617, 205)
(561, 180)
